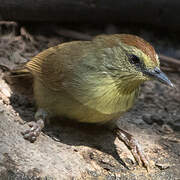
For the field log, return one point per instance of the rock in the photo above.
(147, 119)
(175, 125)
(167, 129)
(157, 119)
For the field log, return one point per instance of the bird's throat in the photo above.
(127, 87)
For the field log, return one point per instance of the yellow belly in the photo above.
(63, 104)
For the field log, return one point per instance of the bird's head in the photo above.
(140, 60)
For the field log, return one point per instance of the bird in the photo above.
(93, 81)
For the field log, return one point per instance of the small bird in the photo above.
(93, 82)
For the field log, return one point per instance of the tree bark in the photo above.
(161, 13)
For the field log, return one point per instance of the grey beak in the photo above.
(157, 74)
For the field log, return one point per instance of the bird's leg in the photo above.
(134, 146)
(35, 127)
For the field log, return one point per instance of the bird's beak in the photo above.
(157, 74)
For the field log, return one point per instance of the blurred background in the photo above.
(47, 23)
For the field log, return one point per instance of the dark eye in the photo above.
(134, 59)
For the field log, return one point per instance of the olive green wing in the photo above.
(54, 66)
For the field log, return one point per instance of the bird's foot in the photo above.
(33, 132)
(134, 146)
(35, 127)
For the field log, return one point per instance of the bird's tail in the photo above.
(17, 74)
(19, 78)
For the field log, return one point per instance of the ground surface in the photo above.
(78, 151)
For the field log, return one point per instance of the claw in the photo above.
(31, 124)
(134, 146)
(35, 127)
(32, 133)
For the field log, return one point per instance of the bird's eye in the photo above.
(134, 59)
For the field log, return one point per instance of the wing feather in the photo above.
(51, 66)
